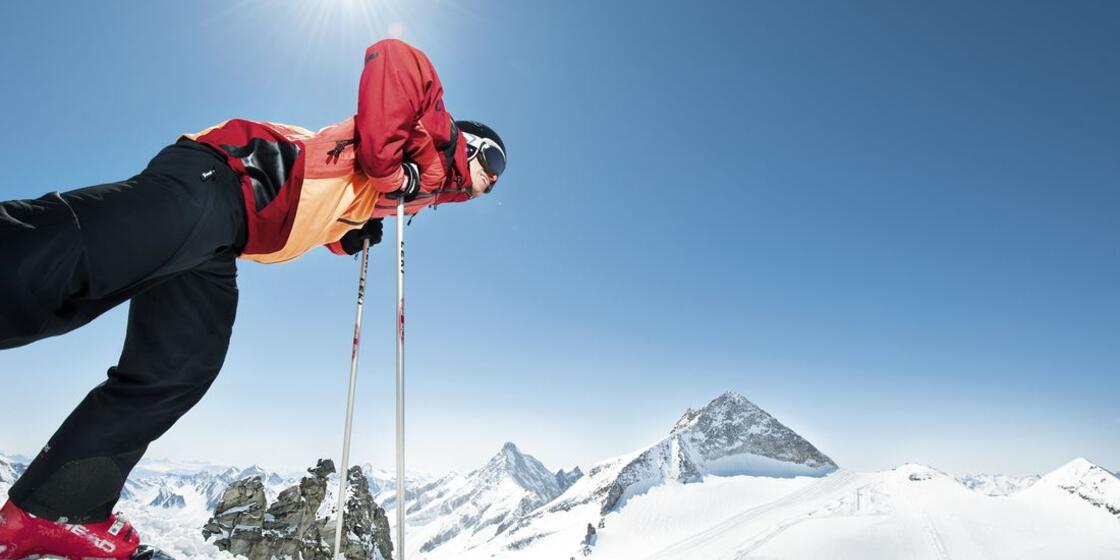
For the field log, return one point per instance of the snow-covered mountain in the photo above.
(731, 429)
(730, 436)
(10, 471)
(729, 481)
(197, 489)
(459, 512)
(914, 512)
(269, 478)
(1086, 481)
(383, 484)
(504, 499)
(997, 484)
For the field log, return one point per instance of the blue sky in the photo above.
(893, 225)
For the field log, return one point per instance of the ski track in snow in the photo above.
(934, 537)
(804, 506)
(819, 489)
(768, 534)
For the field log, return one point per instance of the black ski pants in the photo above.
(165, 239)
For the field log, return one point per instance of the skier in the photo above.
(167, 240)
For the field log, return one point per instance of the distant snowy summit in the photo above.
(10, 470)
(470, 510)
(200, 484)
(730, 436)
(1088, 481)
(726, 435)
(997, 484)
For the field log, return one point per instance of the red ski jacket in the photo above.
(303, 189)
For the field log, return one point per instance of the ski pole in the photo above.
(342, 475)
(400, 378)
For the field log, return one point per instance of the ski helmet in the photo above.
(485, 144)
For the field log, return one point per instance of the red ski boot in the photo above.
(23, 534)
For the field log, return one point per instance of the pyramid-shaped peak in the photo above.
(732, 396)
(251, 470)
(1088, 481)
(1078, 464)
(229, 474)
(523, 469)
(731, 406)
(1077, 469)
(508, 458)
(732, 425)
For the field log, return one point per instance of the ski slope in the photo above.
(912, 512)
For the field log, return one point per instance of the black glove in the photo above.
(352, 241)
(411, 187)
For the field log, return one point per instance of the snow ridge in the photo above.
(10, 471)
(1087, 481)
(474, 508)
(997, 484)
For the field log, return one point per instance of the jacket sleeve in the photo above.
(399, 95)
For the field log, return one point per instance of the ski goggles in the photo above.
(489, 154)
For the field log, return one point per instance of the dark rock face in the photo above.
(168, 500)
(238, 518)
(590, 537)
(588, 544)
(365, 524)
(567, 478)
(291, 526)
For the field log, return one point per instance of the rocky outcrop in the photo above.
(292, 527)
(567, 478)
(589, 540)
(365, 524)
(239, 518)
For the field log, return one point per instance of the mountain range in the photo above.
(727, 481)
